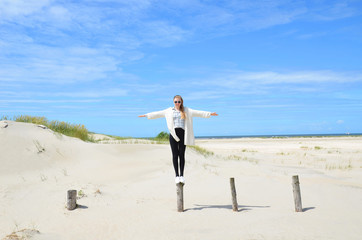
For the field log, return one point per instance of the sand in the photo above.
(127, 190)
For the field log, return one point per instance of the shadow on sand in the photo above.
(308, 208)
(241, 208)
(81, 206)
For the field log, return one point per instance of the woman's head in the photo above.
(178, 101)
(179, 105)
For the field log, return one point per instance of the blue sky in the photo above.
(267, 67)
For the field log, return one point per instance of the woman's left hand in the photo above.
(214, 114)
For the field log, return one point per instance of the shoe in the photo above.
(177, 180)
(182, 180)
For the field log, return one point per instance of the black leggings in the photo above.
(178, 151)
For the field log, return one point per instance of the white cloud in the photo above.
(80, 93)
(243, 78)
(230, 17)
(183, 17)
(46, 101)
(59, 14)
(340, 122)
(96, 93)
(333, 10)
(226, 84)
(12, 9)
(207, 94)
(269, 13)
(68, 42)
(162, 33)
(56, 65)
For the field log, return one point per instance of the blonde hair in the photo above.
(182, 108)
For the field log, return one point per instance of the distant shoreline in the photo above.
(282, 136)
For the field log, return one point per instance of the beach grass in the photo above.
(119, 138)
(202, 151)
(334, 166)
(163, 138)
(233, 157)
(65, 128)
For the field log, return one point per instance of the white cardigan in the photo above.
(189, 131)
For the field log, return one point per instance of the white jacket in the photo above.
(189, 131)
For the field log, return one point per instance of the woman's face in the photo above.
(177, 102)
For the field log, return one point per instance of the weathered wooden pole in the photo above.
(233, 195)
(296, 193)
(180, 197)
(71, 199)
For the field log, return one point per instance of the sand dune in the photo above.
(128, 190)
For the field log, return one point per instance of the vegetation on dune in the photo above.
(68, 129)
(162, 136)
(117, 137)
(202, 151)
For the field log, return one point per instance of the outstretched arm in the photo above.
(153, 115)
(202, 114)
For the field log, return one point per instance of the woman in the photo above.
(179, 123)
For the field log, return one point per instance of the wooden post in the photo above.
(71, 199)
(233, 195)
(180, 197)
(296, 193)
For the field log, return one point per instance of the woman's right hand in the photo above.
(142, 116)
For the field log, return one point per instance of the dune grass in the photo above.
(117, 137)
(68, 129)
(202, 151)
(162, 137)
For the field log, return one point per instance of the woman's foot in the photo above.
(177, 180)
(182, 180)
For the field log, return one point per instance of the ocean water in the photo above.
(281, 136)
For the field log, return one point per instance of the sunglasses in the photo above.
(177, 101)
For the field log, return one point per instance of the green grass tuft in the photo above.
(202, 151)
(162, 136)
(68, 129)
(233, 157)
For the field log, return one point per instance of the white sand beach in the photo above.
(127, 190)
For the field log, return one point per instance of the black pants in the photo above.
(178, 151)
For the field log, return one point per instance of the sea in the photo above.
(281, 136)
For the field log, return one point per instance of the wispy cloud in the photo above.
(340, 122)
(333, 10)
(246, 83)
(66, 42)
(46, 101)
(162, 33)
(214, 83)
(55, 65)
(272, 77)
(101, 93)
(10, 10)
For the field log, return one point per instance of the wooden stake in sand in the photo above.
(180, 197)
(296, 193)
(71, 199)
(233, 195)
